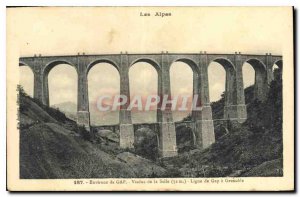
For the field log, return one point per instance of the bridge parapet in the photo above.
(137, 57)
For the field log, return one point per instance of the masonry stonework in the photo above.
(202, 121)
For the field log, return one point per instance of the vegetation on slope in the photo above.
(245, 147)
(53, 146)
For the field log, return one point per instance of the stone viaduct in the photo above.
(202, 123)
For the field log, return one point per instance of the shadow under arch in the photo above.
(146, 142)
(185, 138)
(279, 63)
(277, 70)
(257, 64)
(98, 61)
(226, 63)
(260, 81)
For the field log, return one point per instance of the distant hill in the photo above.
(96, 118)
(112, 117)
(66, 107)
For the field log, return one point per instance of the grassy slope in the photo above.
(53, 146)
(246, 147)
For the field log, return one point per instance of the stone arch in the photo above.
(54, 63)
(248, 81)
(191, 63)
(277, 73)
(45, 72)
(229, 97)
(98, 61)
(261, 81)
(147, 60)
(185, 138)
(193, 68)
(155, 66)
(279, 63)
(95, 88)
(257, 64)
(226, 63)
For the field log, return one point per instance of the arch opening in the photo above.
(26, 79)
(55, 63)
(100, 61)
(248, 81)
(257, 65)
(148, 61)
(103, 86)
(218, 75)
(182, 83)
(61, 82)
(261, 83)
(275, 67)
(277, 70)
(143, 82)
(189, 63)
(278, 63)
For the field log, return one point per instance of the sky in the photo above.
(63, 31)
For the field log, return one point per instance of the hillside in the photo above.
(53, 146)
(68, 108)
(253, 148)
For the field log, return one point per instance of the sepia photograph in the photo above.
(150, 99)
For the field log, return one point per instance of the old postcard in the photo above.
(150, 99)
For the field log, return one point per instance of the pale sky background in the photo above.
(62, 31)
